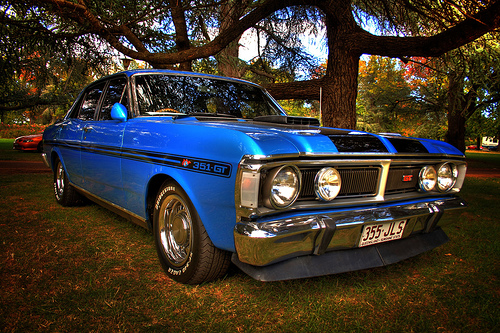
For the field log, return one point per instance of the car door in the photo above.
(101, 145)
(69, 135)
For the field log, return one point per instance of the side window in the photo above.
(75, 108)
(91, 101)
(115, 93)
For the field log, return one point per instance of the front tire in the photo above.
(65, 193)
(185, 251)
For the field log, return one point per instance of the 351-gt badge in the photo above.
(204, 166)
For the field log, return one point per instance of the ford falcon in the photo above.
(220, 173)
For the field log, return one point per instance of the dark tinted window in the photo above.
(170, 95)
(115, 93)
(91, 101)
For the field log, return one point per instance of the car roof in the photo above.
(133, 72)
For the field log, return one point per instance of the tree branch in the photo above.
(298, 89)
(462, 33)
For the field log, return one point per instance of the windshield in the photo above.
(159, 94)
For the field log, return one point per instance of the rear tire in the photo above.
(65, 193)
(185, 251)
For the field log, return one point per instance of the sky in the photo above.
(314, 46)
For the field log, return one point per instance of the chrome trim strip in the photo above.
(140, 221)
(341, 156)
(264, 243)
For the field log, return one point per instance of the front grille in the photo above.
(402, 180)
(355, 182)
(364, 181)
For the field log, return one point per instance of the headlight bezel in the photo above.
(453, 177)
(427, 178)
(273, 201)
(321, 192)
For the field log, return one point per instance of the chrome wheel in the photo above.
(176, 230)
(64, 192)
(59, 181)
(184, 248)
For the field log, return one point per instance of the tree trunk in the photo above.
(181, 34)
(228, 62)
(456, 118)
(340, 85)
(339, 91)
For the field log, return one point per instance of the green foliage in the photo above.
(395, 98)
(301, 108)
(177, 34)
(483, 78)
(413, 98)
(40, 72)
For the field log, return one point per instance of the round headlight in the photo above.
(427, 178)
(327, 184)
(446, 176)
(285, 187)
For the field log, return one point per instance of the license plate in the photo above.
(382, 232)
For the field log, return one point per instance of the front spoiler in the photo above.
(342, 261)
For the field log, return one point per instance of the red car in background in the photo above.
(29, 142)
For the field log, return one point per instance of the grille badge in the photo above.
(407, 178)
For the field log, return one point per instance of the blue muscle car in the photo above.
(219, 173)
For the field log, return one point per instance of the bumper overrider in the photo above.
(307, 245)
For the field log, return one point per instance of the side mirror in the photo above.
(119, 112)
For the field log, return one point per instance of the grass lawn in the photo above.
(9, 154)
(86, 269)
(483, 159)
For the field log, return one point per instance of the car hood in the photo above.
(324, 140)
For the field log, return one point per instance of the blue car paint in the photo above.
(68, 138)
(193, 140)
(101, 164)
(440, 147)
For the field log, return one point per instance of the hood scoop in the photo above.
(363, 143)
(366, 143)
(405, 145)
(286, 120)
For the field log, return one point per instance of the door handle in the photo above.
(88, 128)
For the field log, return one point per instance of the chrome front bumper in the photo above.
(269, 242)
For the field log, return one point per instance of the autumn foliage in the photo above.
(13, 131)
